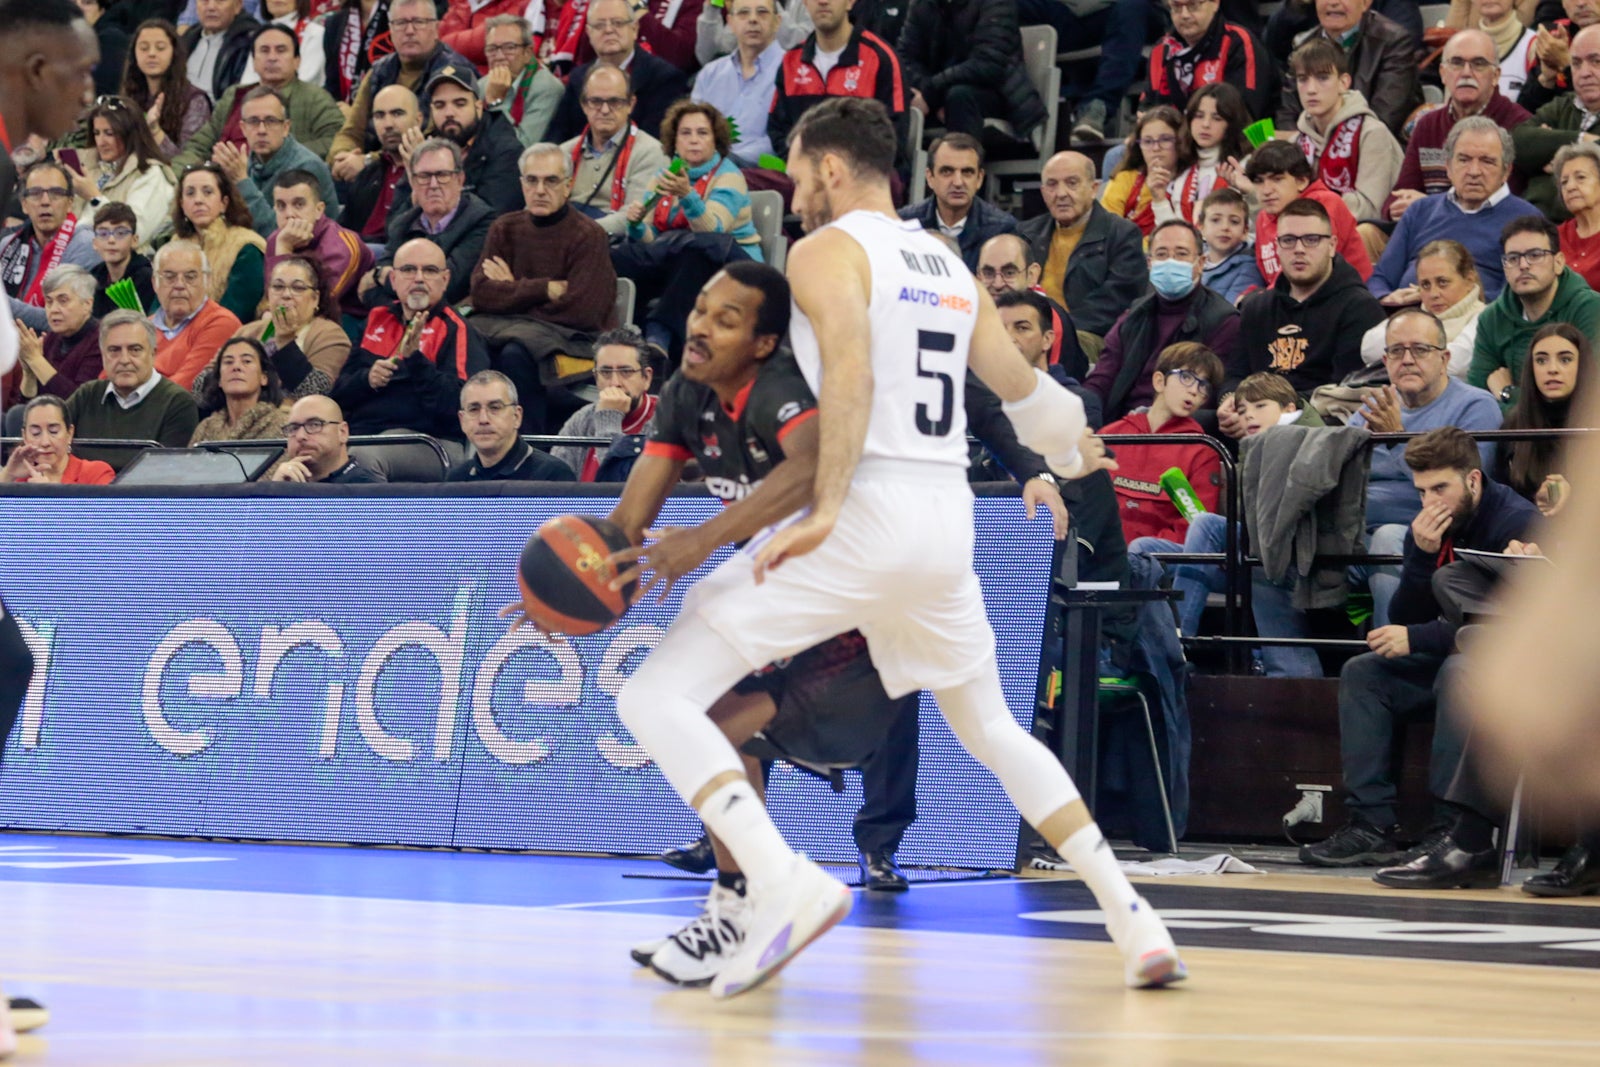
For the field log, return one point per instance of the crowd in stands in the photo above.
(315, 220)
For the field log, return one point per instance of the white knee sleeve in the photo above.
(1050, 421)
(1034, 779)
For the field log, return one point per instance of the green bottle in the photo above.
(1182, 494)
(677, 166)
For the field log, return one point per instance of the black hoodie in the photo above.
(1313, 343)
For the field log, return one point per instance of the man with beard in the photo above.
(489, 143)
(47, 58)
(1413, 672)
(395, 115)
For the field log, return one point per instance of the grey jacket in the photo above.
(257, 185)
(1305, 496)
(590, 421)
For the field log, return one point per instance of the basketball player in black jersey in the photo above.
(47, 59)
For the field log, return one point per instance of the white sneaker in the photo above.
(695, 954)
(790, 913)
(645, 950)
(27, 1014)
(1149, 958)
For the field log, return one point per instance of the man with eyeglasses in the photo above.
(218, 45)
(1470, 68)
(1179, 311)
(613, 161)
(1307, 326)
(272, 150)
(312, 113)
(1540, 289)
(1094, 263)
(1473, 211)
(491, 419)
(1206, 49)
(955, 178)
(116, 241)
(613, 32)
(406, 374)
(489, 143)
(51, 236)
(1382, 54)
(518, 87)
(304, 228)
(191, 325)
(442, 212)
(317, 451)
(1569, 118)
(544, 287)
(1007, 264)
(418, 55)
(740, 85)
(625, 407)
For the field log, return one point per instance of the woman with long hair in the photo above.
(1213, 131)
(157, 82)
(210, 211)
(243, 394)
(128, 169)
(1554, 378)
(1145, 176)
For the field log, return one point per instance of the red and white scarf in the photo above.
(619, 166)
(19, 253)
(633, 422)
(1340, 160)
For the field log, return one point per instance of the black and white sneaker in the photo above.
(27, 1014)
(1355, 844)
(694, 955)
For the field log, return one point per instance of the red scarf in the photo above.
(50, 258)
(568, 37)
(1145, 219)
(666, 205)
(1341, 156)
(519, 102)
(633, 422)
(619, 171)
(1189, 192)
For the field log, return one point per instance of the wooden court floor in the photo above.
(182, 953)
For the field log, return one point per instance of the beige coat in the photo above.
(1379, 161)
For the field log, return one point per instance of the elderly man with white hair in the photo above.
(67, 354)
(134, 401)
(192, 325)
(545, 285)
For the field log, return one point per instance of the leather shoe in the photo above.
(1577, 875)
(881, 874)
(1445, 866)
(695, 858)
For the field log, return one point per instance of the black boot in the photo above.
(1577, 875)
(695, 858)
(879, 872)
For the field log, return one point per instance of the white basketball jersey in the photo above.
(923, 306)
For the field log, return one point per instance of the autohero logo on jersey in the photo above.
(203, 673)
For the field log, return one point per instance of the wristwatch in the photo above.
(1505, 395)
(1048, 479)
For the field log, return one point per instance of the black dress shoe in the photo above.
(1445, 866)
(1577, 875)
(880, 873)
(695, 858)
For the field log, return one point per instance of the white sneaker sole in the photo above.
(792, 939)
(1157, 968)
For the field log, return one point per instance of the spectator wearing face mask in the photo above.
(1180, 309)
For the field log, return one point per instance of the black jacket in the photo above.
(1383, 68)
(657, 85)
(1313, 343)
(984, 221)
(1227, 53)
(462, 242)
(1501, 517)
(1207, 310)
(425, 394)
(523, 463)
(1107, 271)
(113, 57)
(364, 191)
(138, 272)
(333, 36)
(946, 43)
(489, 170)
(236, 41)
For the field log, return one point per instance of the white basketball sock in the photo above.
(1091, 857)
(736, 815)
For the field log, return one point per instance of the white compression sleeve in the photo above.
(1050, 420)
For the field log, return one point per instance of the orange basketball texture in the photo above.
(565, 579)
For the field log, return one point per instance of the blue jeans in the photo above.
(1383, 581)
(1118, 29)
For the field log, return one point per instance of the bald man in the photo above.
(397, 123)
(1094, 263)
(1560, 122)
(1470, 89)
(1006, 264)
(317, 452)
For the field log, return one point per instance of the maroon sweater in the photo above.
(568, 246)
(75, 358)
(1423, 168)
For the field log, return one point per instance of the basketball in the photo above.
(565, 578)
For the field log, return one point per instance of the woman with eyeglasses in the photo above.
(300, 332)
(1144, 180)
(1577, 172)
(128, 168)
(1448, 286)
(157, 82)
(243, 395)
(210, 211)
(1213, 132)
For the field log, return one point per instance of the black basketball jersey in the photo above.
(736, 447)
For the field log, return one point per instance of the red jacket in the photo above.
(462, 28)
(1351, 247)
(1145, 508)
(867, 68)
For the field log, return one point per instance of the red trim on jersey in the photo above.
(676, 453)
(799, 420)
(736, 409)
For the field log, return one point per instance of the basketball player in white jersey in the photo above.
(886, 321)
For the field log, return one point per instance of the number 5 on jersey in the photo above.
(936, 422)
